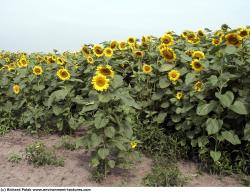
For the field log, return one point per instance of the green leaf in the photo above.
(231, 137)
(111, 163)
(190, 77)
(95, 162)
(103, 153)
(230, 49)
(104, 98)
(38, 87)
(247, 132)
(57, 110)
(239, 107)
(161, 117)
(166, 67)
(212, 80)
(89, 108)
(109, 132)
(119, 145)
(213, 126)
(101, 121)
(57, 96)
(95, 140)
(163, 82)
(225, 99)
(117, 81)
(204, 109)
(215, 155)
(202, 141)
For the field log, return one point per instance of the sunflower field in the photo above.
(194, 86)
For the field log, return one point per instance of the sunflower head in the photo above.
(60, 61)
(198, 86)
(122, 45)
(108, 52)
(100, 82)
(63, 74)
(16, 88)
(138, 54)
(243, 32)
(168, 54)
(133, 144)
(113, 44)
(90, 60)
(198, 55)
(23, 62)
(196, 65)
(201, 33)
(85, 50)
(167, 39)
(37, 70)
(179, 95)
(233, 39)
(98, 50)
(174, 75)
(105, 70)
(147, 68)
(216, 41)
(131, 40)
(189, 52)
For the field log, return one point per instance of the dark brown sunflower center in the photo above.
(100, 82)
(167, 54)
(64, 74)
(105, 71)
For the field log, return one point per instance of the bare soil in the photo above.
(76, 171)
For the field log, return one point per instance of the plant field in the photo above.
(182, 95)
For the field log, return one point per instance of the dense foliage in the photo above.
(194, 86)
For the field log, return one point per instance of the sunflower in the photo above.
(196, 65)
(147, 68)
(179, 95)
(108, 52)
(131, 40)
(90, 60)
(98, 50)
(16, 88)
(85, 50)
(216, 41)
(167, 39)
(189, 52)
(174, 75)
(219, 33)
(113, 44)
(100, 82)
(23, 62)
(133, 144)
(198, 86)
(122, 45)
(243, 32)
(139, 54)
(146, 39)
(201, 33)
(63, 74)
(233, 39)
(168, 54)
(60, 61)
(37, 70)
(105, 70)
(198, 55)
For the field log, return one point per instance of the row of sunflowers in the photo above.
(195, 85)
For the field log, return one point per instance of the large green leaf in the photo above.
(225, 99)
(117, 81)
(215, 155)
(230, 49)
(164, 82)
(57, 96)
(101, 121)
(231, 137)
(103, 153)
(213, 126)
(247, 132)
(204, 109)
(95, 140)
(239, 107)
(109, 132)
(190, 78)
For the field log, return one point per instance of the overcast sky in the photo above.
(41, 25)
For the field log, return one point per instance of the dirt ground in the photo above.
(76, 171)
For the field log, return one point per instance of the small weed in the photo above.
(14, 158)
(70, 143)
(39, 155)
(164, 173)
